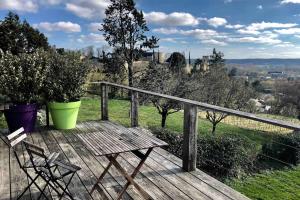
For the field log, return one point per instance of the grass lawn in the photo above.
(283, 184)
(275, 185)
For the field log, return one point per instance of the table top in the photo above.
(107, 143)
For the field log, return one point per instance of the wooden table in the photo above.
(112, 144)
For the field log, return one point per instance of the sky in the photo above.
(238, 28)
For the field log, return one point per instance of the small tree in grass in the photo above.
(159, 78)
(217, 88)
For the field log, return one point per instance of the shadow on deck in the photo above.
(161, 176)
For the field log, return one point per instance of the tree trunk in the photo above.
(214, 129)
(153, 55)
(130, 73)
(163, 119)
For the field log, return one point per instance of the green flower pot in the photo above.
(64, 115)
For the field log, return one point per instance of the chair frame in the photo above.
(46, 173)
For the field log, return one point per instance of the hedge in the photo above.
(222, 156)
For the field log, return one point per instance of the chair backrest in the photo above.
(15, 138)
(37, 157)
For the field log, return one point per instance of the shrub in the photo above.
(22, 76)
(285, 148)
(226, 155)
(222, 156)
(174, 140)
(66, 77)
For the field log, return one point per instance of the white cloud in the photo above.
(88, 9)
(166, 31)
(95, 26)
(255, 28)
(201, 34)
(172, 19)
(92, 37)
(260, 7)
(217, 21)
(246, 31)
(214, 42)
(59, 26)
(268, 25)
(290, 1)
(19, 5)
(172, 40)
(289, 31)
(227, 1)
(236, 26)
(284, 45)
(52, 2)
(258, 40)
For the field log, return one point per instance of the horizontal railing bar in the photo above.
(207, 106)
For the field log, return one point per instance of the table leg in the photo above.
(103, 173)
(132, 176)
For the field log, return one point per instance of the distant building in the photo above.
(160, 57)
(276, 74)
(203, 66)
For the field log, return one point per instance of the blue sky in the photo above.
(239, 28)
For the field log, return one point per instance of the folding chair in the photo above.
(47, 168)
(12, 140)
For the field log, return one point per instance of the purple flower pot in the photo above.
(18, 116)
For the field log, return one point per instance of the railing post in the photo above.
(190, 137)
(104, 102)
(134, 111)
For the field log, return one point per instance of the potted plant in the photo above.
(64, 87)
(21, 81)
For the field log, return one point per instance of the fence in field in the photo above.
(265, 128)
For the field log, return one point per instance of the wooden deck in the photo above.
(161, 176)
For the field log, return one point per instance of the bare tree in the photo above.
(288, 98)
(159, 78)
(217, 88)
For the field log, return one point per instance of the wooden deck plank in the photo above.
(4, 172)
(190, 179)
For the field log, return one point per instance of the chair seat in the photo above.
(40, 162)
(66, 165)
